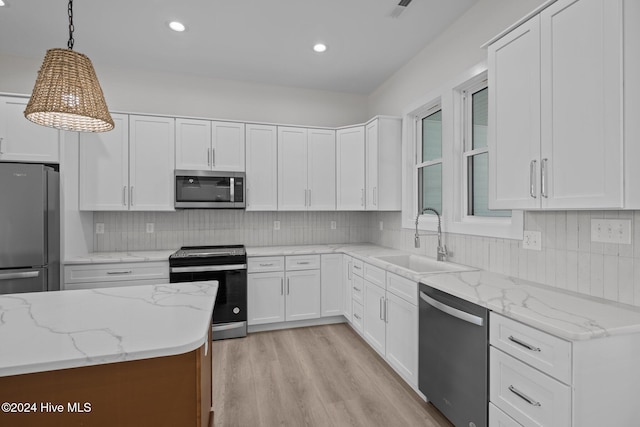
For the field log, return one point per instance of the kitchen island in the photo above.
(137, 355)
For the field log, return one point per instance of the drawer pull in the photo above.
(357, 267)
(302, 262)
(523, 396)
(523, 344)
(266, 264)
(357, 289)
(356, 316)
(113, 273)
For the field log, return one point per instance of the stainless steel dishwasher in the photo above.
(453, 356)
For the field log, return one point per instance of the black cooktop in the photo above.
(208, 255)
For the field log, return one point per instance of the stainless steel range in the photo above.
(227, 265)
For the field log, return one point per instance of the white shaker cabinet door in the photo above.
(514, 119)
(265, 298)
(227, 146)
(402, 337)
(104, 168)
(193, 144)
(22, 140)
(347, 286)
(331, 285)
(581, 87)
(292, 169)
(151, 163)
(321, 170)
(262, 168)
(374, 325)
(350, 169)
(302, 291)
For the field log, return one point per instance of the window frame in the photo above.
(433, 108)
(454, 185)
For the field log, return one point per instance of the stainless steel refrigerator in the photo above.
(29, 228)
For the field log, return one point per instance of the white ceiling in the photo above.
(264, 41)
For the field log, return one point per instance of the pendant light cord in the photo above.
(70, 11)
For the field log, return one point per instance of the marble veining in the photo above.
(57, 330)
(109, 257)
(562, 313)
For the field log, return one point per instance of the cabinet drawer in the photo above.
(115, 272)
(402, 287)
(527, 395)
(265, 264)
(357, 289)
(497, 418)
(302, 262)
(358, 267)
(357, 316)
(375, 275)
(541, 350)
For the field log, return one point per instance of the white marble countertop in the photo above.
(562, 313)
(131, 256)
(46, 331)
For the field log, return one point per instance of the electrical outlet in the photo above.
(611, 231)
(99, 228)
(381, 225)
(532, 240)
(334, 225)
(150, 227)
(276, 225)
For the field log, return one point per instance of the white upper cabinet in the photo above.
(556, 137)
(151, 163)
(130, 167)
(104, 168)
(207, 145)
(262, 167)
(350, 164)
(383, 169)
(306, 169)
(22, 140)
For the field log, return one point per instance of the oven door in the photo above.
(230, 310)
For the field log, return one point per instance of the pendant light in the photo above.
(67, 94)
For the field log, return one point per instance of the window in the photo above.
(475, 153)
(429, 164)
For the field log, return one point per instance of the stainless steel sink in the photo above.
(420, 264)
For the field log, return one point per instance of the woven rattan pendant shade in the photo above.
(67, 94)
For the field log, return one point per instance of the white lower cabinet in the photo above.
(402, 336)
(265, 297)
(500, 419)
(374, 325)
(302, 295)
(331, 289)
(347, 285)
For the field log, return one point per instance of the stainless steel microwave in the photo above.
(210, 190)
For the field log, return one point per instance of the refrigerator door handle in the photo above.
(19, 275)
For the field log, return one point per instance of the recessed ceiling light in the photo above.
(177, 26)
(1, 3)
(320, 47)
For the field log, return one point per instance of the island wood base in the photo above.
(164, 391)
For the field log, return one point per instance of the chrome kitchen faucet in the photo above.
(442, 249)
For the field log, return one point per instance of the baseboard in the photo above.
(296, 324)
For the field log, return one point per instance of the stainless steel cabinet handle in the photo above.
(362, 197)
(386, 311)
(356, 316)
(19, 275)
(309, 197)
(462, 315)
(266, 264)
(288, 289)
(305, 198)
(357, 289)
(303, 262)
(208, 156)
(532, 179)
(131, 196)
(118, 273)
(543, 174)
(523, 396)
(1, 140)
(357, 267)
(381, 309)
(523, 344)
(213, 157)
(124, 195)
(350, 271)
(281, 286)
(375, 196)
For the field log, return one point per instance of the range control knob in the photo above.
(236, 310)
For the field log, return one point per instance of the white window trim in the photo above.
(454, 220)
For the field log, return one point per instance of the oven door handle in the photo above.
(462, 315)
(205, 268)
(227, 326)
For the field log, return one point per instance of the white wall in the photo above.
(453, 52)
(128, 90)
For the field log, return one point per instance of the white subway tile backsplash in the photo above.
(625, 280)
(610, 278)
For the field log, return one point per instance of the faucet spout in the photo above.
(442, 249)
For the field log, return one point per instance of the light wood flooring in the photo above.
(316, 376)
